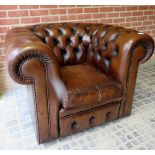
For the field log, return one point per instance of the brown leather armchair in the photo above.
(82, 74)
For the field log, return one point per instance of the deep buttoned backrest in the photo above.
(75, 43)
(105, 46)
(69, 41)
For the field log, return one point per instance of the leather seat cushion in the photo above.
(87, 86)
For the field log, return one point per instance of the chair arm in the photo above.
(127, 48)
(133, 48)
(22, 46)
(30, 61)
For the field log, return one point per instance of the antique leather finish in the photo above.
(87, 86)
(49, 56)
(88, 118)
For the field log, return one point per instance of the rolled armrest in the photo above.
(133, 48)
(22, 46)
(30, 61)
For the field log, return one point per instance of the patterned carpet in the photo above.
(17, 128)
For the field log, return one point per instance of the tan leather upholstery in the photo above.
(87, 86)
(65, 61)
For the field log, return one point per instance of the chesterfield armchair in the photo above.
(82, 74)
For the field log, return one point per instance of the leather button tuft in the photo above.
(55, 41)
(108, 115)
(73, 30)
(63, 52)
(69, 40)
(74, 125)
(76, 50)
(91, 119)
(60, 32)
(80, 38)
